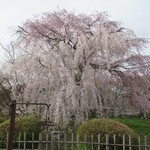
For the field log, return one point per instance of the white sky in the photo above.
(134, 14)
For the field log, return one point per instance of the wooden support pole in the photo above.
(12, 124)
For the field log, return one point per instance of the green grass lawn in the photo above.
(139, 125)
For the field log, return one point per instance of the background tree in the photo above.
(10, 83)
(80, 64)
(5, 94)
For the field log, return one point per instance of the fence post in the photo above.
(107, 141)
(114, 137)
(99, 145)
(40, 141)
(130, 148)
(85, 140)
(72, 140)
(52, 143)
(78, 142)
(124, 143)
(24, 141)
(139, 142)
(12, 124)
(92, 141)
(32, 141)
(145, 142)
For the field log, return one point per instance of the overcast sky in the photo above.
(134, 14)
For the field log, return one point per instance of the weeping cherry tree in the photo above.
(80, 64)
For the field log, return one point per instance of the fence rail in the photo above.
(71, 141)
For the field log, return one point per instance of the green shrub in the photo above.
(2, 120)
(102, 127)
(27, 124)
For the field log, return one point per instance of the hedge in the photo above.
(105, 126)
(26, 124)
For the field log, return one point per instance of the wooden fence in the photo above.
(71, 141)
